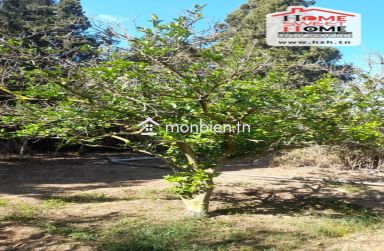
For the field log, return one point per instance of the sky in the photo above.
(130, 12)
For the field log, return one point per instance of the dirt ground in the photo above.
(247, 194)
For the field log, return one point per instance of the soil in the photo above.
(131, 191)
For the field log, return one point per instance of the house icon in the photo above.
(147, 127)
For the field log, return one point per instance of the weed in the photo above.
(80, 234)
(4, 202)
(53, 203)
(22, 213)
(285, 240)
(354, 188)
(338, 227)
(135, 236)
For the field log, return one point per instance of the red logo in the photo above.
(300, 26)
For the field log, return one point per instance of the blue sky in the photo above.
(129, 12)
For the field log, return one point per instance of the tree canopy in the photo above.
(176, 75)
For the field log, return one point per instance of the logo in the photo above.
(148, 127)
(210, 127)
(301, 26)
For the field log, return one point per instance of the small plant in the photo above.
(4, 202)
(331, 228)
(354, 188)
(23, 213)
(53, 203)
(80, 234)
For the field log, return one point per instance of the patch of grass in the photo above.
(203, 234)
(284, 240)
(193, 235)
(321, 205)
(218, 234)
(330, 228)
(134, 235)
(152, 194)
(82, 198)
(4, 202)
(312, 156)
(165, 194)
(354, 188)
(53, 203)
(80, 234)
(339, 227)
(22, 213)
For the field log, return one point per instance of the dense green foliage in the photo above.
(47, 37)
(177, 76)
(58, 28)
(41, 36)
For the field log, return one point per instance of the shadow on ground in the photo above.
(292, 198)
(40, 178)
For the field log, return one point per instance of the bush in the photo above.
(360, 158)
(313, 156)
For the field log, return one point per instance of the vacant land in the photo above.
(84, 203)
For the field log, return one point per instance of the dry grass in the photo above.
(361, 158)
(313, 156)
(142, 214)
(240, 231)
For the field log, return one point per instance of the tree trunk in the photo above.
(198, 205)
(192, 158)
(23, 148)
(230, 145)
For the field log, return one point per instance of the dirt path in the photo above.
(94, 194)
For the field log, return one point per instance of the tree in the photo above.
(304, 65)
(60, 26)
(177, 76)
(25, 16)
(175, 79)
(40, 35)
